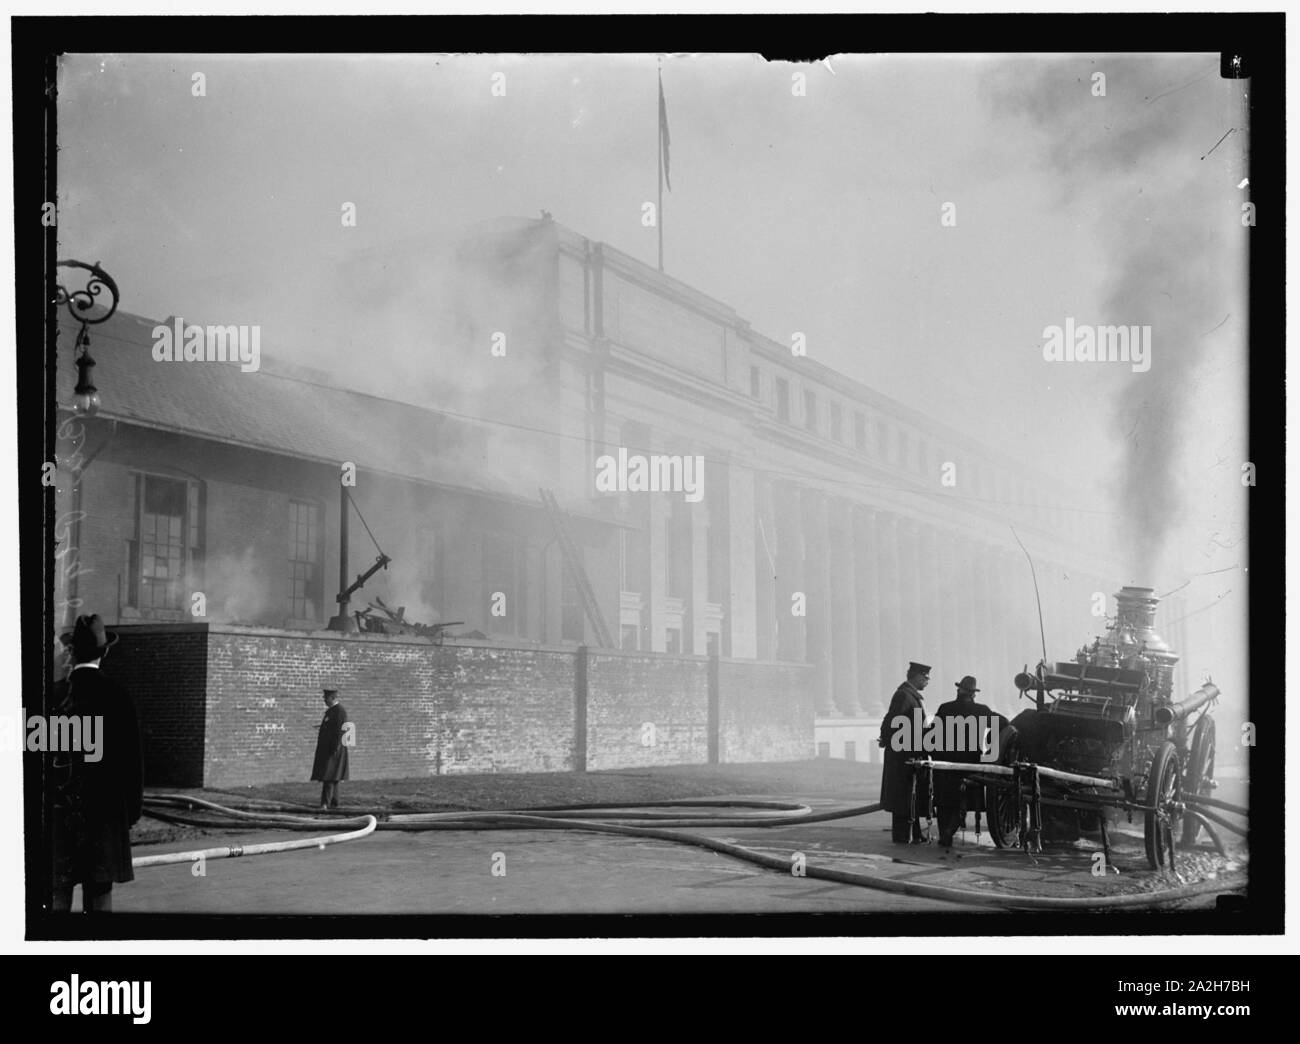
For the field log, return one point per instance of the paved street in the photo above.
(574, 873)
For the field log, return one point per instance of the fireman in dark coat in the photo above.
(331, 763)
(99, 790)
(896, 783)
(969, 741)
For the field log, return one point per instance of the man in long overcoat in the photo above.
(97, 793)
(896, 783)
(331, 763)
(968, 743)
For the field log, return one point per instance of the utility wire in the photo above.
(363, 521)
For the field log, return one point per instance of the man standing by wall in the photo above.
(331, 763)
(98, 794)
(896, 783)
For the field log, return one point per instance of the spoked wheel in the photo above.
(1004, 827)
(1199, 776)
(1164, 795)
(1000, 798)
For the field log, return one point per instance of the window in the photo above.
(673, 640)
(166, 551)
(902, 448)
(629, 638)
(837, 422)
(711, 643)
(573, 619)
(503, 582)
(882, 439)
(782, 399)
(810, 411)
(304, 560)
(823, 750)
(860, 431)
(753, 381)
(850, 750)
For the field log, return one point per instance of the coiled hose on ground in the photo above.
(609, 819)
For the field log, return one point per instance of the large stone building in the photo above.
(836, 526)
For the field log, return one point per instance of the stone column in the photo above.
(986, 656)
(932, 609)
(658, 586)
(697, 595)
(913, 644)
(817, 587)
(893, 661)
(790, 629)
(745, 613)
(1006, 639)
(954, 600)
(1027, 645)
(844, 618)
(867, 581)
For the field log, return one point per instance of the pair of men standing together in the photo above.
(896, 783)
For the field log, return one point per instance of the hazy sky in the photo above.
(818, 214)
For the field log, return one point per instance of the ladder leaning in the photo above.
(577, 571)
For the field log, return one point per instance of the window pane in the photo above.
(304, 554)
(163, 505)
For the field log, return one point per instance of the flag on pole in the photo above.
(663, 131)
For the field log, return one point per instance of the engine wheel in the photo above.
(1164, 789)
(1198, 779)
(1000, 799)
(1000, 803)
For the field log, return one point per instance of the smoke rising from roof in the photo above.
(462, 321)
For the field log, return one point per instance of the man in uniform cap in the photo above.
(951, 799)
(97, 798)
(331, 763)
(896, 783)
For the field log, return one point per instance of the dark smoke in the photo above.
(1126, 165)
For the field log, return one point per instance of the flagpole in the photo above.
(659, 137)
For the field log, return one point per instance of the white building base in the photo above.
(848, 739)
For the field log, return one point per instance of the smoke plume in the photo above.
(1164, 209)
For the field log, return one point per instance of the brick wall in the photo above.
(646, 709)
(164, 668)
(230, 706)
(760, 718)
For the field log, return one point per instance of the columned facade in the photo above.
(817, 588)
(866, 573)
(893, 660)
(790, 628)
(845, 622)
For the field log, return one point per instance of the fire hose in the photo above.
(603, 818)
(232, 851)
